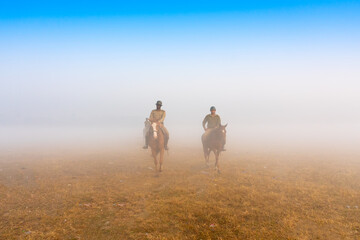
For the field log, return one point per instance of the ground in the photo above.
(117, 195)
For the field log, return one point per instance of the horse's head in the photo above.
(222, 129)
(155, 129)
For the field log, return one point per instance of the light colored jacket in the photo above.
(157, 116)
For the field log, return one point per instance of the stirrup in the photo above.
(166, 147)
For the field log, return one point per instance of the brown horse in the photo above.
(156, 143)
(214, 142)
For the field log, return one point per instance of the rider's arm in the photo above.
(204, 122)
(162, 117)
(151, 118)
(219, 121)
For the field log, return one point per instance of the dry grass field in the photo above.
(116, 195)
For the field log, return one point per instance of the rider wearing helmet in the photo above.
(210, 122)
(158, 115)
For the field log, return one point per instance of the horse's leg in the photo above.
(154, 153)
(205, 150)
(208, 151)
(161, 159)
(217, 153)
(206, 155)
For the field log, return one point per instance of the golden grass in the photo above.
(116, 195)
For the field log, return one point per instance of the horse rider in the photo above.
(213, 121)
(158, 115)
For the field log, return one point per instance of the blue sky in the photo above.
(103, 62)
(59, 9)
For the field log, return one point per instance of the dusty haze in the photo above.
(78, 80)
(282, 78)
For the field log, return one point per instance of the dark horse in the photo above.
(156, 143)
(215, 142)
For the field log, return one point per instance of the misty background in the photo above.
(279, 76)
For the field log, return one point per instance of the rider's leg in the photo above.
(146, 135)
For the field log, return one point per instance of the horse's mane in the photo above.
(215, 132)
